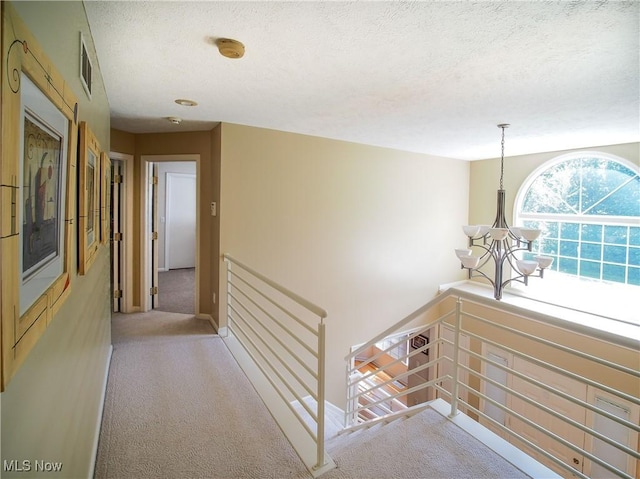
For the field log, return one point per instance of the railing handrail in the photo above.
(253, 292)
(403, 322)
(454, 291)
(317, 310)
(360, 403)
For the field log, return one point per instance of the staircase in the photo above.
(425, 444)
(378, 393)
(470, 365)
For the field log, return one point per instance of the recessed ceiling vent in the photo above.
(230, 48)
(86, 68)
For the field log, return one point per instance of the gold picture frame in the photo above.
(89, 202)
(37, 191)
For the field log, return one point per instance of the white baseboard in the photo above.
(162, 270)
(96, 437)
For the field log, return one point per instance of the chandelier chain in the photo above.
(502, 158)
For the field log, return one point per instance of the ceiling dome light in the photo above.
(174, 119)
(183, 102)
(230, 48)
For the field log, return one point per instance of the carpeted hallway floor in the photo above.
(177, 291)
(179, 406)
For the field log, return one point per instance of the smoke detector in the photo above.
(174, 119)
(185, 102)
(230, 48)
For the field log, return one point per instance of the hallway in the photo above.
(178, 406)
(177, 291)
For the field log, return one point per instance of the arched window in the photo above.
(588, 208)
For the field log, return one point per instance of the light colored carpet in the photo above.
(179, 406)
(177, 291)
(426, 445)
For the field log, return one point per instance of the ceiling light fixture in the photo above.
(230, 48)
(500, 243)
(174, 119)
(184, 102)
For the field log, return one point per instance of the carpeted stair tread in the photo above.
(426, 445)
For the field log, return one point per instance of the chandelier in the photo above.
(501, 244)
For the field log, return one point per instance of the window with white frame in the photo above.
(588, 208)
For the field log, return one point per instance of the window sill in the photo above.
(603, 311)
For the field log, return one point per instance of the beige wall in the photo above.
(364, 232)
(123, 142)
(50, 409)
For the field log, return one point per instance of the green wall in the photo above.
(50, 411)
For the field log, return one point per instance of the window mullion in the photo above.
(602, 253)
(622, 185)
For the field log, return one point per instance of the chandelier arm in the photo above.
(537, 274)
(479, 274)
(518, 279)
(509, 258)
(486, 249)
(512, 250)
(487, 256)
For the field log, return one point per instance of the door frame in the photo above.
(126, 258)
(145, 262)
(167, 201)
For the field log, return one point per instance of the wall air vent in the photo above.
(86, 68)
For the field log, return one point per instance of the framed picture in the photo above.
(105, 198)
(38, 180)
(43, 179)
(89, 198)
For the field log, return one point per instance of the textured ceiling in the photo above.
(431, 77)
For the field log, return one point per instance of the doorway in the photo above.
(177, 237)
(121, 232)
(183, 172)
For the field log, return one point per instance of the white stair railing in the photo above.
(283, 334)
(463, 375)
